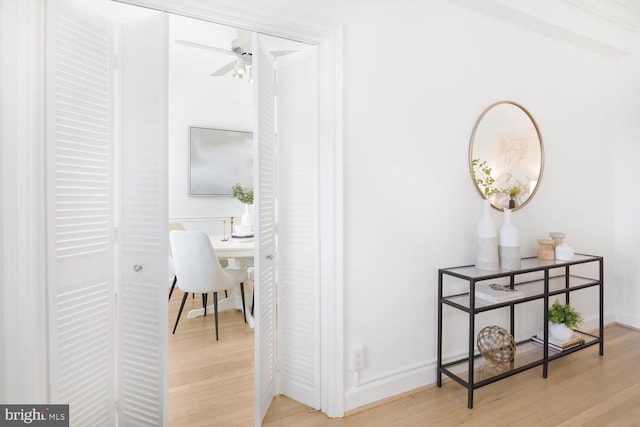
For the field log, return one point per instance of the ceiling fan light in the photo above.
(240, 65)
(237, 75)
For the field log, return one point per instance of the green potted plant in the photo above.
(481, 173)
(562, 319)
(244, 196)
(513, 193)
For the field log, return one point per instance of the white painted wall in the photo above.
(416, 79)
(410, 206)
(627, 205)
(197, 99)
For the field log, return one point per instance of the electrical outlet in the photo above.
(357, 360)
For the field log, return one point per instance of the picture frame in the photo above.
(219, 159)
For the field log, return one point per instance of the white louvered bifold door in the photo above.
(265, 214)
(298, 233)
(80, 214)
(143, 229)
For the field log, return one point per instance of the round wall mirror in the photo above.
(506, 155)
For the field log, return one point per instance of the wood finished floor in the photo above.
(211, 384)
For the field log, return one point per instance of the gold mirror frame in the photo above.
(507, 137)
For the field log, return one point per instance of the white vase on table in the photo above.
(509, 244)
(247, 216)
(486, 241)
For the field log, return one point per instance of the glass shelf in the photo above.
(538, 280)
(531, 264)
(527, 355)
(531, 290)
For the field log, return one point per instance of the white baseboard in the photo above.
(375, 389)
(372, 390)
(632, 321)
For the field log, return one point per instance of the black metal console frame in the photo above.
(464, 302)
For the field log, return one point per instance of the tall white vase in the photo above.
(486, 241)
(509, 244)
(247, 216)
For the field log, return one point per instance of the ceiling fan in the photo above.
(239, 65)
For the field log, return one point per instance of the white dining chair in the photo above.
(199, 270)
(172, 271)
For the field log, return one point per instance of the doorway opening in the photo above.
(195, 98)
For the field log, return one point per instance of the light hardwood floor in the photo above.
(211, 384)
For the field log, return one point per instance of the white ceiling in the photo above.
(190, 67)
(606, 27)
(624, 13)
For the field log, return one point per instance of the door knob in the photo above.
(137, 268)
(270, 256)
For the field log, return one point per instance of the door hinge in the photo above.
(115, 404)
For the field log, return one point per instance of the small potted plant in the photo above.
(513, 193)
(562, 319)
(244, 196)
(481, 173)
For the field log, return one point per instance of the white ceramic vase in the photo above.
(486, 241)
(509, 244)
(559, 331)
(247, 216)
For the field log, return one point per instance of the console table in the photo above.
(539, 280)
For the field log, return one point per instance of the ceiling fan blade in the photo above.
(224, 70)
(204, 46)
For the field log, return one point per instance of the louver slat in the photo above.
(143, 231)
(264, 170)
(298, 234)
(80, 139)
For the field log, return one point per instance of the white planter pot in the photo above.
(560, 331)
(247, 217)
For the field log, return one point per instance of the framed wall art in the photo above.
(218, 159)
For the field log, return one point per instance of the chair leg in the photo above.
(225, 294)
(215, 311)
(204, 303)
(184, 299)
(173, 285)
(244, 312)
(253, 300)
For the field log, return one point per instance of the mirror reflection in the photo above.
(506, 155)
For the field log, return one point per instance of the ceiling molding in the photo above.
(563, 21)
(274, 18)
(624, 13)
